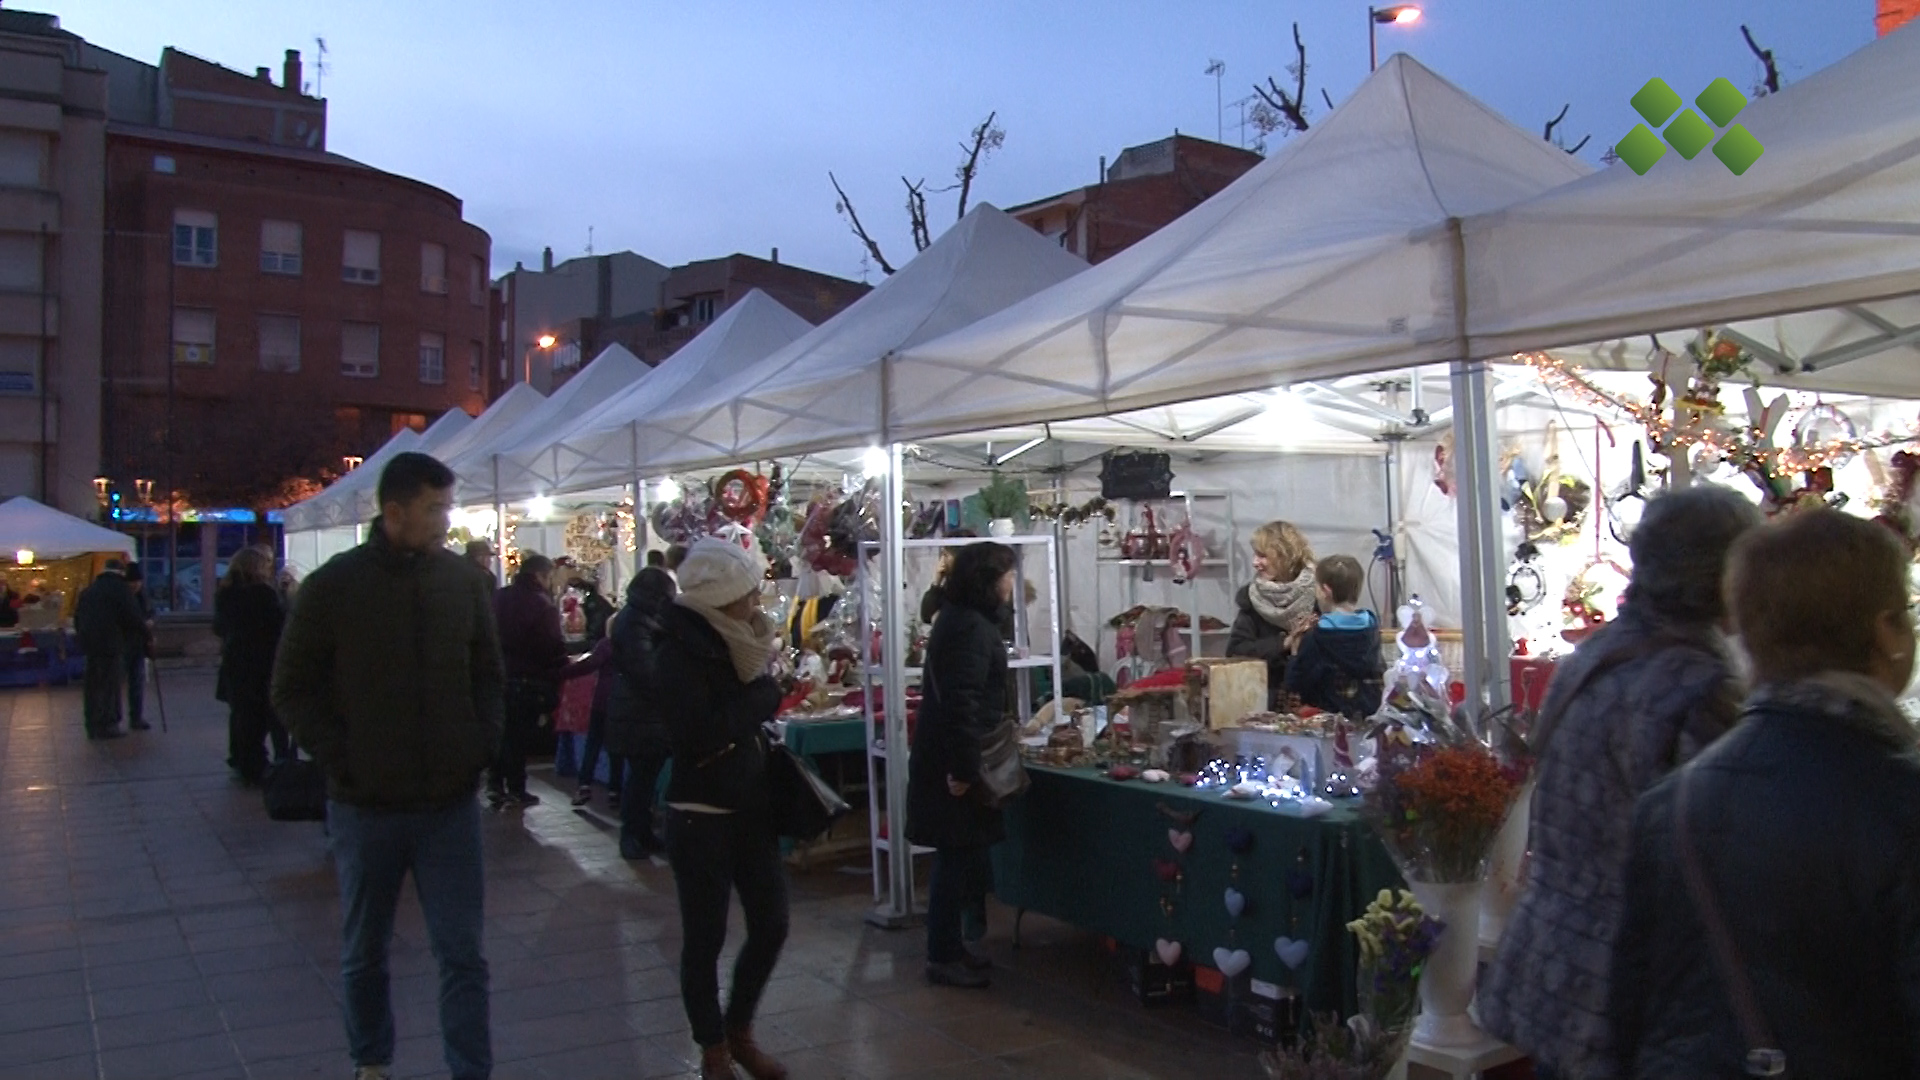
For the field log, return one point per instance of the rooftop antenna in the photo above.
(320, 67)
(1218, 69)
(589, 240)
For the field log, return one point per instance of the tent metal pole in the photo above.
(898, 912)
(1482, 548)
(499, 528)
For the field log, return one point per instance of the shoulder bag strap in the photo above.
(1763, 1059)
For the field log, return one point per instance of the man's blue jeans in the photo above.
(374, 850)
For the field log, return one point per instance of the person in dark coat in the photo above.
(105, 617)
(964, 697)
(714, 646)
(1276, 604)
(535, 652)
(1803, 826)
(1638, 699)
(596, 609)
(248, 618)
(9, 606)
(1336, 664)
(139, 648)
(636, 728)
(597, 665)
(389, 674)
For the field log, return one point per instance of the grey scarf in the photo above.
(1846, 698)
(1283, 603)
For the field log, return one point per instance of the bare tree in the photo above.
(1560, 140)
(1279, 109)
(1769, 71)
(987, 137)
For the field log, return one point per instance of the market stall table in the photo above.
(1088, 850)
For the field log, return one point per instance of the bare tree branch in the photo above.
(1326, 97)
(917, 213)
(986, 139)
(1770, 80)
(1560, 140)
(845, 207)
(1555, 122)
(1291, 108)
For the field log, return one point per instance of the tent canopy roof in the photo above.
(1330, 258)
(50, 534)
(609, 372)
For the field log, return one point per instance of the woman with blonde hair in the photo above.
(247, 617)
(1279, 600)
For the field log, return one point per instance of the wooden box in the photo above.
(1235, 689)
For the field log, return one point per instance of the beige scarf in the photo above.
(1284, 603)
(749, 643)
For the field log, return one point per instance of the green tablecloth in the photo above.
(1081, 848)
(812, 738)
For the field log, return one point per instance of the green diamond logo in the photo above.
(1656, 101)
(1721, 101)
(1689, 134)
(1738, 150)
(1640, 149)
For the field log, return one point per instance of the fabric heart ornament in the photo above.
(1232, 962)
(1167, 951)
(1239, 840)
(1236, 902)
(1292, 953)
(1180, 839)
(1166, 870)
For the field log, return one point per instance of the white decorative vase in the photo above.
(1508, 872)
(1000, 528)
(1447, 979)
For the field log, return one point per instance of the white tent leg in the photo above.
(1482, 547)
(898, 910)
(499, 528)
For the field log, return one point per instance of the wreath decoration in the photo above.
(740, 496)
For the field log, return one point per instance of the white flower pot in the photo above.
(1508, 872)
(1447, 979)
(1000, 527)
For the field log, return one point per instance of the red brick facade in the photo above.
(272, 403)
(1101, 221)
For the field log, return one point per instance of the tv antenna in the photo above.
(320, 67)
(1218, 69)
(589, 240)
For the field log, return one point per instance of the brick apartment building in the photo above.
(1146, 187)
(590, 303)
(272, 307)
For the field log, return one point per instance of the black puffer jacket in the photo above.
(389, 674)
(1806, 824)
(714, 719)
(963, 698)
(1254, 638)
(635, 723)
(248, 619)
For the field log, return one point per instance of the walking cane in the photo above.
(153, 676)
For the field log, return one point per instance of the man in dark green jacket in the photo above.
(389, 674)
(105, 618)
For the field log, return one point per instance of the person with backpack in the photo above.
(1336, 659)
(636, 730)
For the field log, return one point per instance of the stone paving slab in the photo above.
(155, 924)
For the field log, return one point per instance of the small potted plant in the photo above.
(1003, 500)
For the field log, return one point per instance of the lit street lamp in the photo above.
(1395, 15)
(544, 342)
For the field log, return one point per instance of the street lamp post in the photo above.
(1394, 15)
(543, 343)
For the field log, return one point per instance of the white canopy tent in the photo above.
(28, 525)
(598, 449)
(348, 500)
(486, 466)
(825, 390)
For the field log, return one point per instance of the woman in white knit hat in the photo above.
(714, 647)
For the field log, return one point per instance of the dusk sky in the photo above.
(691, 130)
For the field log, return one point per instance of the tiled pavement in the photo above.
(155, 924)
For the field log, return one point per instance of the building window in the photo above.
(433, 359)
(195, 238)
(433, 269)
(163, 163)
(23, 159)
(476, 360)
(192, 336)
(360, 350)
(279, 343)
(703, 308)
(360, 257)
(476, 282)
(280, 247)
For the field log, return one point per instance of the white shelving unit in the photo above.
(1211, 568)
(873, 670)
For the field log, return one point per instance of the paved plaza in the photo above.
(155, 924)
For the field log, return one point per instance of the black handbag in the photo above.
(803, 805)
(295, 790)
(1136, 474)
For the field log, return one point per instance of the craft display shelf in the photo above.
(1023, 662)
(1216, 568)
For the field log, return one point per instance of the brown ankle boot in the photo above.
(756, 1061)
(716, 1063)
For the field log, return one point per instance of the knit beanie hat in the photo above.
(718, 572)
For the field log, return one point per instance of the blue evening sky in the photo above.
(692, 129)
